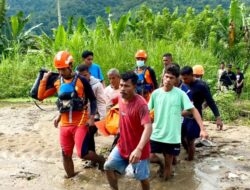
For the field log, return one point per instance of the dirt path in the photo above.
(30, 158)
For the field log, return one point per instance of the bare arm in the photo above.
(145, 136)
(101, 103)
(186, 113)
(136, 154)
(241, 83)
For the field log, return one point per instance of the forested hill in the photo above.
(44, 11)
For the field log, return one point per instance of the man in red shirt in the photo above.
(135, 129)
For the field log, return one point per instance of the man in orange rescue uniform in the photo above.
(198, 71)
(73, 91)
(146, 82)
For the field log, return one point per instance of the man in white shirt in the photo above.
(98, 90)
(220, 71)
(112, 91)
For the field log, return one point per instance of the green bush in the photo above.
(192, 39)
(19, 72)
(226, 105)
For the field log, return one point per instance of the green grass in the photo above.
(243, 105)
(18, 72)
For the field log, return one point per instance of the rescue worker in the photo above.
(146, 82)
(198, 71)
(73, 91)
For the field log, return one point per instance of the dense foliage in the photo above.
(45, 11)
(193, 38)
(226, 102)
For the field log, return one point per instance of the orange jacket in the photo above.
(79, 118)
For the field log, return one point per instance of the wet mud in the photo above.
(30, 157)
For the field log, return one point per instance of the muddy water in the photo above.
(30, 158)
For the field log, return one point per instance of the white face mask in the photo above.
(140, 63)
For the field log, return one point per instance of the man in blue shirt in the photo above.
(94, 69)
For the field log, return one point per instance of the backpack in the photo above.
(142, 86)
(68, 99)
(50, 83)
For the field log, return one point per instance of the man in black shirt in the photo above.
(200, 93)
(239, 82)
(228, 78)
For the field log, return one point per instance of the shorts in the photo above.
(115, 162)
(238, 90)
(190, 129)
(74, 135)
(165, 148)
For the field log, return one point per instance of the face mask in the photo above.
(140, 63)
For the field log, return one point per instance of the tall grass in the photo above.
(18, 72)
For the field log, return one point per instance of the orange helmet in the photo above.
(198, 70)
(141, 54)
(62, 59)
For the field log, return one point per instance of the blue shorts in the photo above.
(115, 162)
(190, 129)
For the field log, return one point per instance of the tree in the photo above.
(2, 12)
(13, 34)
(59, 16)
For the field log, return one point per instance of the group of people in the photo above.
(228, 80)
(152, 119)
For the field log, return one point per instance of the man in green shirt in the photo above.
(168, 103)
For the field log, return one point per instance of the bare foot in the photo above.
(68, 177)
(219, 128)
(188, 159)
(175, 162)
(160, 171)
(101, 163)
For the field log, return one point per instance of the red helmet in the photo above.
(63, 59)
(141, 54)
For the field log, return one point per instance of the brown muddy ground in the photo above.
(30, 158)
